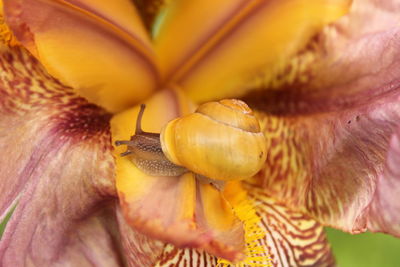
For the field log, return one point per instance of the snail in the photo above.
(220, 141)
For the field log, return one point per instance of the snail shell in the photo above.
(221, 140)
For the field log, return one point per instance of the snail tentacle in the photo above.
(139, 119)
(126, 153)
(122, 142)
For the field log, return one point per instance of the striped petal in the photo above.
(56, 170)
(174, 209)
(292, 239)
(329, 135)
(100, 48)
(219, 49)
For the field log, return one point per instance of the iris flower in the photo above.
(322, 76)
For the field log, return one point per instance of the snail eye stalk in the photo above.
(126, 153)
(137, 132)
(139, 119)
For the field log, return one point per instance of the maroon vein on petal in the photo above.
(292, 239)
(329, 131)
(56, 164)
(173, 256)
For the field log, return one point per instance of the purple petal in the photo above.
(329, 129)
(384, 215)
(56, 167)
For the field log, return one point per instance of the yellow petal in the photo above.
(213, 49)
(216, 214)
(98, 47)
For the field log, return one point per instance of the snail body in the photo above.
(221, 141)
(144, 150)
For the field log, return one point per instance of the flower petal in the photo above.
(292, 239)
(384, 214)
(214, 49)
(149, 9)
(214, 214)
(329, 134)
(98, 47)
(93, 242)
(188, 257)
(139, 250)
(178, 210)
(56, 167)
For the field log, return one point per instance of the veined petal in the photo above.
(56, 169)
(384, 215)
(329, 135)
(291, 239)
(216, 49)
(98, 47)
(140, 250)
(175, 209)
(95, 241)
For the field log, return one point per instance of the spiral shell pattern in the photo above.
(221, 140)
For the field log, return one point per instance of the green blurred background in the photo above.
(363, 250)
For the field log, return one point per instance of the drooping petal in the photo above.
(384, 215)
(216, 215)
(292, 239)
(139, 250)
(174, 209)
(98, 47)
(94, 241)
(329, 134)
(56, 169)
(216, 49)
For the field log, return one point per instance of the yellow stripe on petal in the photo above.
(98, 47)
(213, 49)
(244, 209)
